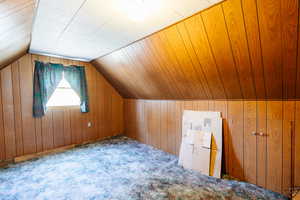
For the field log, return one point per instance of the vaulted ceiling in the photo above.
(239, 49)
(84, 29)
(87, 29)
(15, 28)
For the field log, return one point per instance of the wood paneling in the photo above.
(15, 29)
(274, 145)
(22, 134)
(235, 118)
(238, 49)
(261, 143)
(262, 160)
(295, 147)
(250, 145)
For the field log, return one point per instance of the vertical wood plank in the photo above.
(274, 145)
(156, 123)
(296, 149)
(164, 125)
(236, 139)
(254, 44)
(216, 27)
(188, 105)
(76, 125)
(17, 108)
(141, 132)
(239, 44)
(184, 63)
(211, 105)
(2, 133)
(47, 131)
(67, 127)
(202, 105)
(194, 59)
(178, 113)
(261, 143)
(107, 111)
(287, 133)
(271, 43)
(289, 30)
(149, 118)
(26, 81)
(171, 121)
(126, 117)
(8, 113)
(58, 127)
(101, 110)
(198, 38)
(250, 148)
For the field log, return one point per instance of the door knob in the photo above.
(263, 134)
(254, 133)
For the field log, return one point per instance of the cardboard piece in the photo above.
(195, 151)
(203, 131)
(201, 160)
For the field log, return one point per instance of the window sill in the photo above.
(62, 107)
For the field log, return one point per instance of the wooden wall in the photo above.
(238, 49)
(22, 134)
(262, 160)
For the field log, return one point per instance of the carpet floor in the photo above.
(117, 169)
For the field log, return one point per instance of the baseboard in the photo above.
(43, 153)
(53, 151)
(4, 163)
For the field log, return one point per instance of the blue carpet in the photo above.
(117, 169)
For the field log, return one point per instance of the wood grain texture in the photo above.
(262, 160)
(16, 18)
(250, 153)
(271, 43)
(261, 115)
(236, 138)
(295, 146)
(274, 145)
(21, 134)
(238, 49)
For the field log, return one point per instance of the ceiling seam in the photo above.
(71, 20)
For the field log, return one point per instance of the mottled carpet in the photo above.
(117, 169)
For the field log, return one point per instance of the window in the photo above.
(63, 95)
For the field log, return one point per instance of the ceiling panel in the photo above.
(87, 29)
(15, 28)
(238, 49)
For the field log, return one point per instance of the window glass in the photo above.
(64, 95)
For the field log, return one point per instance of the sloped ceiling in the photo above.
(87, 29)
(15, 29)
(239, 49)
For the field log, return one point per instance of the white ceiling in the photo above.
(88, 29)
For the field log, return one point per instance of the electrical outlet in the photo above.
(89, 124)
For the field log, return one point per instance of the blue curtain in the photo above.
(47, 77)
(75, 75)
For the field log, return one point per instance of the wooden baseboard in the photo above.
(5, 163)
(52, 151)
(43, 153)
